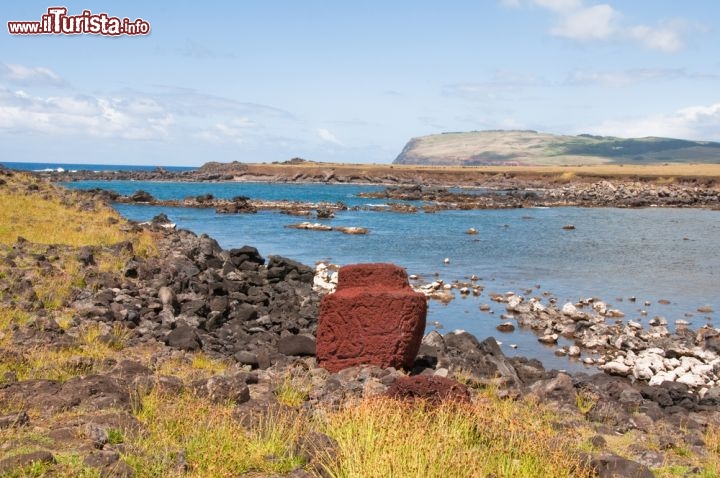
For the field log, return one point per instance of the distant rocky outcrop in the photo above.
(215, 167)
(499, 147)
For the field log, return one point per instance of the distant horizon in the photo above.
(89, 162)
(236, 81)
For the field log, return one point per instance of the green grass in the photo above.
(211, 441)
(115, 436)
(94, 343)
(585, 400)
(292, 392)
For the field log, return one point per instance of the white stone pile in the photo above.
(626, 348)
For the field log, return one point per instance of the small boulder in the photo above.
(297, 345)
(610, 465)
(142, 196)
(505, 327)
(434, 389)
(183, 337)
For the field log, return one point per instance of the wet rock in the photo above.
(238, 205)
(310, 226)
(505, 327)
(616, 367)
(374, 317)
(353, 230)
(548, 339)
(141, 196)
(570, 310)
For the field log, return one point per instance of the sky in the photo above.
(351, 81)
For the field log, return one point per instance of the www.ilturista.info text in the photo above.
(57, 22)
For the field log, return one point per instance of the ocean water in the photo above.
(87, 167)
(612, 254)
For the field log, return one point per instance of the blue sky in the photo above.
(261, 81)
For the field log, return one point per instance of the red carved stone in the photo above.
(374, 317)
(432, 389)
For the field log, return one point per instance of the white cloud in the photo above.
(664, 38)
(591, 23)
(327, 136)
(25, 75)
(625, 77)
(130, 114)
(577, 21)
(701, 123)
(559, 5)
(235, 130)
(190, 102)
(100, 117)
(503, 84)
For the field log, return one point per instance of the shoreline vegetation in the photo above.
(141, 350)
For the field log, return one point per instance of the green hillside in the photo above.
(498, 147)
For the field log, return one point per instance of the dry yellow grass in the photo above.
(471, 173)
(492, 437)
(210, 440)
(93, 344)
(42, 214)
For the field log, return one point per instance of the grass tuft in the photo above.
(186, 434)
(492, 437)
(292, 392)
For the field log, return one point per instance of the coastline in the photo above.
(390, 174)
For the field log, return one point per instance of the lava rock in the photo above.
(434, 389)
(183, 337)
(296, 345)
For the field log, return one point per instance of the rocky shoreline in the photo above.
(260, 315)
(413, 199)
(604, 193)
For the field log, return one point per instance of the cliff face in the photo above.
(532, 148)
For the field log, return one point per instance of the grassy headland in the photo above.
(530, 148)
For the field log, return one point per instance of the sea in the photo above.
(614, 255)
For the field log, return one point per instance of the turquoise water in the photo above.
(612, 254)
